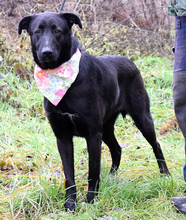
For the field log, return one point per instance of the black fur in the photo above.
(105, 87)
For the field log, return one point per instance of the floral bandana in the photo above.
(54, 83)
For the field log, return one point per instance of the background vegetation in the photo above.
(31, 176)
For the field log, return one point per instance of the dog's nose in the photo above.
(46, 51)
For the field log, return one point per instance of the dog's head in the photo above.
(51, 38)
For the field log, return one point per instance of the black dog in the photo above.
(105, 87)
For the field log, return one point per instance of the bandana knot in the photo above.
(54, 83)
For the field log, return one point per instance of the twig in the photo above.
(76, 6)
(62, 5)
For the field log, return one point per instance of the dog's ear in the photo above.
(72, 19)
(24, 24)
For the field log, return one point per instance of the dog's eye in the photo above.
(57, 31)
(38, 32)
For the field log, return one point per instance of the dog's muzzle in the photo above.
(47, 53)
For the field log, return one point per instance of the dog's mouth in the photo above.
(47, 60)
(47, 57)
(47, 63)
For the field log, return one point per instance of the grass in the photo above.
(31, 177)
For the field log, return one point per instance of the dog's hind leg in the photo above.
(110, 140)
(140, 113)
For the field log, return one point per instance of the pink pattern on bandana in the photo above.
(54, 83)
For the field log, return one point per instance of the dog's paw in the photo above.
(165, 172)
(69, 205)
(113, 171)
(90, 197)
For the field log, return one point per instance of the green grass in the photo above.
(31, 181)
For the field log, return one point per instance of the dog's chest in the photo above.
(66, 122)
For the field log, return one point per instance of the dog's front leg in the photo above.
(94, 150)
(65, 147)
